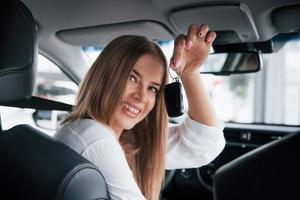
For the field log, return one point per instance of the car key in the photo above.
(173, 98)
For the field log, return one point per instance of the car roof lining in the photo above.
(102, 35)
(220, 18)
(56, 16)
(286, 18)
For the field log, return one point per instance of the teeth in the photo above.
(131, 108)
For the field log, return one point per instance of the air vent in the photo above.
(232, 136)
(251, 136)
(264, 137)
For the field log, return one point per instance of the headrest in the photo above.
(18, 51)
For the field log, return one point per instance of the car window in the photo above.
(271, 96)
(250, 98)
(51, 83)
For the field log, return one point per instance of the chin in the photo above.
(130, 126)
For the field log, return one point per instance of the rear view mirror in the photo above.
(231, 63)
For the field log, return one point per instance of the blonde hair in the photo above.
(99, 95)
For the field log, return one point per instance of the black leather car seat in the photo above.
(33, 165)
(270, 172)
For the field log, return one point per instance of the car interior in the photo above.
(26, 153)
(260, 159)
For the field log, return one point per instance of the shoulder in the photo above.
(82, 133)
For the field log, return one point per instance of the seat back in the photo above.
(33, 165)
(268, 172)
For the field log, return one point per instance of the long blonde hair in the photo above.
(99, 95)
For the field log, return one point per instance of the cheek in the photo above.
(151, 103)
(128, 87)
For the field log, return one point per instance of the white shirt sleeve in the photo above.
(192, 144)
(108, 156)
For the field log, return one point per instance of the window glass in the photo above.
(282, 94)
(51, 83)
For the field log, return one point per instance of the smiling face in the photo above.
(139, 96)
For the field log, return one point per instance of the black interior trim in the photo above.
(39, 103)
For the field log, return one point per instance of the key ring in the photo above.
(175, 78)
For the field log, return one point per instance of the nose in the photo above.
(140, 93)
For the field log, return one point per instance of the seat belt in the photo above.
(39, 104)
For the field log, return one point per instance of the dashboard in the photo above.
(197, 183)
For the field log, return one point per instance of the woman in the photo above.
(120, 122)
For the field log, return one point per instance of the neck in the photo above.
(117, 132)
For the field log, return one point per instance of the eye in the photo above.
(132, 78)
(153, 89)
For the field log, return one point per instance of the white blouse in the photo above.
(190, 144)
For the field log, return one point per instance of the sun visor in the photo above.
(233, 23)
(286, 19)
(102, 35)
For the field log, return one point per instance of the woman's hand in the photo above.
(191, 50)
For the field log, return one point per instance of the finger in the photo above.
(202, 31)
(172, 63)
(179, 38)
(210, 37)
(178, 50)
(191, 36)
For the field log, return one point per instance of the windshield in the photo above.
(270, 96)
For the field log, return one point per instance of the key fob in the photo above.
(173, 99)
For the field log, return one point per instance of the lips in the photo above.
(130, 109)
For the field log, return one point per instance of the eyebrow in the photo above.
(139, 75)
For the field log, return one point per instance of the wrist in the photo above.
(185, 76)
